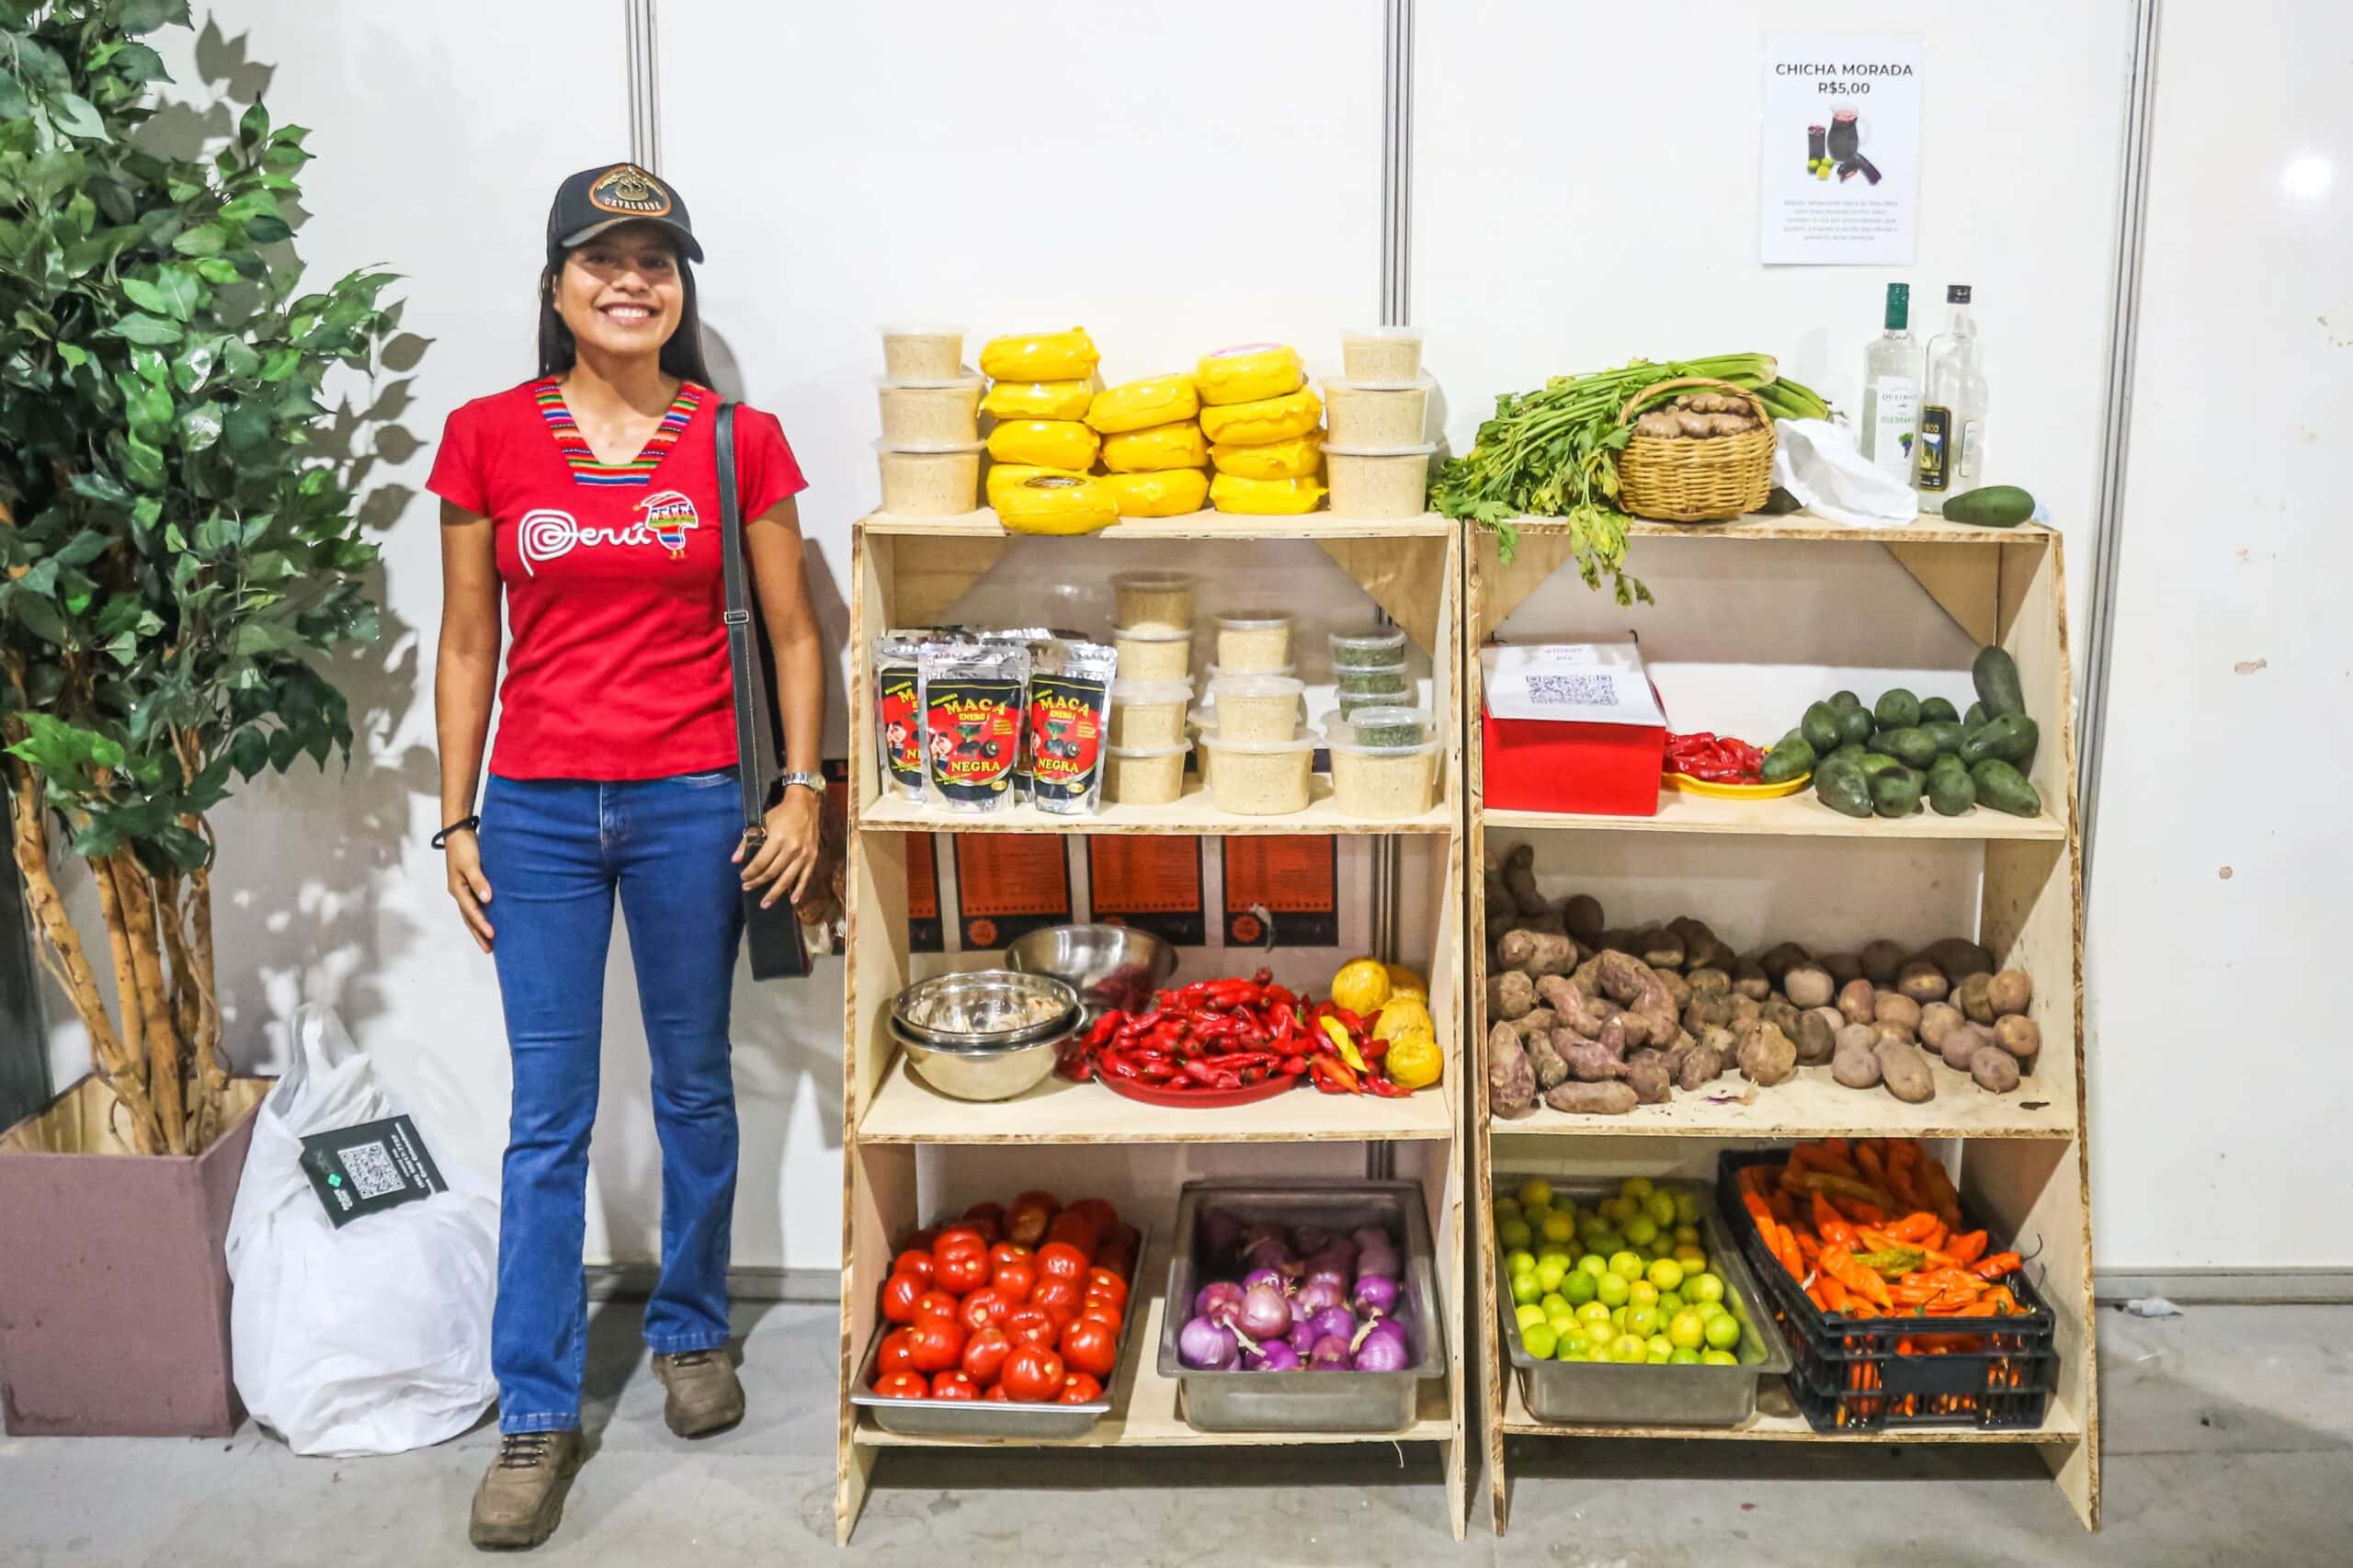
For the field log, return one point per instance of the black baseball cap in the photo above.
(609, 194)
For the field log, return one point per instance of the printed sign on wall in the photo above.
(1841, 155)
(1008, 885)
(1150, 883)
(1293, 881)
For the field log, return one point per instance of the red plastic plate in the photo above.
(1200, 1099)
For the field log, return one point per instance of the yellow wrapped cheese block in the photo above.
(1297, 458)
(1168, 493)
(1180, 445)
(1268, 420)
(1137, 405)
(1049, 443)
(1039, 357)
(1055, 504)
(1250, 373)
(1265, 497)
(1039, 400)
(1004, 476)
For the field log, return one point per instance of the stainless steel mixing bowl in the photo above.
(984, 1034)
(1109, 966)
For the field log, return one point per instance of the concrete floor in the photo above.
(2229, 1441)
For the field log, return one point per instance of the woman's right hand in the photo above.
(468, 885)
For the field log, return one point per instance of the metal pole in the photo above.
(644, 85)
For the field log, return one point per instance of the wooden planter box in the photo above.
(114, 1299)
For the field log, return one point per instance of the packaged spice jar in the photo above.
(1384, 764)
(930, 412)
(1155, 601)
(1254, 641)
(1145, 776)
(898, 721)
(922, 353)
(970, 694)
(1382, 354)
(1260, 779)
(1068, 709)
(1372, 680)
(1154, 653)
(1378, 482)
(935, 481)
(1372, 647)
(1149, 713)
(1368, 414)
(1256, 707)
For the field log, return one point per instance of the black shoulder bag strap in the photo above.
(773, 935)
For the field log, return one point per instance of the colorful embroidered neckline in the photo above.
(581, 458)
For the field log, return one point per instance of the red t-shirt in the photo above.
(617, 652)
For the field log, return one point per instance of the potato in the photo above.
(1510, 995)
(1956, 956)
(1677, 988)
(1511, 1079)
(1661, 948)
(1536, 952)
(1975, 994)
(1782, 1015)
(1857, 1063)
(1857, 1037)
(1708, 980)
(1896, 1032)
(1962, 1043)
(1809, 985)
(1720, 1042)
(1995, 1070)
(1923, 982)
(1588, 1060)
(2018, 1034)
(1857, 1001)
(1817, 1035)
(1843, 967)
(1592, 1099)
(1702, 949)
(1582, 916)
(1551, 1071)
(1748, 978)
(1882, 960)
(1652, 1077)
(1705, 1013)
(1893, 1007)
(1938, 1019)
(1780, 958)
(2009, 992)
(1544, 1020)
(1700, 1066)
(1768, 1057)
(1906, 1073)
(1746, 1007)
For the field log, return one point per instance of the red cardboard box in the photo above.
(1570, 727)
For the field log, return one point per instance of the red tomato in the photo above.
(938, 1345)
(1007, 1252)
(934, 1304)
(1059, 1297)
(958, 1238)
(903, 1385)
(1032, 1325)
(991, 1213)
(897, 1354)
(1026, 1222)
(1102, 1311)
(963, 1272)
(1074, 1231)
(914, 1261)
(954, 1385)
(1033, 1375)
(1015, 1280)
(1079, 1389)
(919, 1241)
(900, 1293)
(1060, 1260)
(984, 1309)
(995, 1394)
(1087, 1345)
(1118, 1251)
(984, 1354)
(992, 1230)
(1103, 1282)
(1101, 1215)
(1042, 1198)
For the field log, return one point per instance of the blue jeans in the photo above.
(556, 851)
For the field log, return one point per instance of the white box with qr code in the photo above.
(1570, 727)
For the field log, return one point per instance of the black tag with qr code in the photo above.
(378, 1165)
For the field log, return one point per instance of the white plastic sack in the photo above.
(1819, 464)
(374, 1338)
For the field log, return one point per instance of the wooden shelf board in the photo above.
(1806, 525)
(1813, 1105)
(1796, 816)
(1193, 812)
(983, 524)
(1058, 1111)
(2060, 1425)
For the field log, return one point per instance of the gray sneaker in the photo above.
(704, 1393)
(521, 1500)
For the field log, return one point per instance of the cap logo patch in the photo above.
(628, 188)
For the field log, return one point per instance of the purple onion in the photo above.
(1265, 1314)
(1275, 1355)
(1312, 1238)
(1302, 1335)
(1329, 1272)
(1335, 1322)
(1316, 1295)
(1375, 1293)
(1378, 1260)
(1264, 1249)
(1271, 1278)
(1330, 1355)
(1204, 1346)
(1218, 1302)
(1382, 1349)
(1219, 1230)
(1370, 1236)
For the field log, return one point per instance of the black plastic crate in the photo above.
(1847, 1375)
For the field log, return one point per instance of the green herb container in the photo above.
(1377, 680)
(1378, 648)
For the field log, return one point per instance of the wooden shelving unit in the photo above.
(909, 1153)
(2022, 1160)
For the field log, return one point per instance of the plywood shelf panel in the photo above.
(1800, 815)
(2060, 1425)
(1813, 1105)
(1192, 812)
(1926, 530)
(983, 524)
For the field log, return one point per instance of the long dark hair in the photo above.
(681, 356)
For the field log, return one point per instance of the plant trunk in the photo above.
(166, 1063)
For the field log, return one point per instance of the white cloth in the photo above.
(1819, 464)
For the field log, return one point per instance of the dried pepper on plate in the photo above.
(1715, 759)
(1214, 1035)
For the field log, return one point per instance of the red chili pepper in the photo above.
(1375, 1083)
(1292, 1066)
(1372, 1050)
(1355, 1025)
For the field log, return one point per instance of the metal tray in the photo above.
(983, 1418)
(1307, 1401)
(1587, 1393)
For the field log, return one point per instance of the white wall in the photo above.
(2221, 1093)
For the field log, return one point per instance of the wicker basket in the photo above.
(1695, 481)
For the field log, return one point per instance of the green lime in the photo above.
(1535, 1190)
(1688, 1329)
(1704, 1286)
(1540, 1340)
(1630, 1351)
(1641, 1230)
(1525, 1288)
(1554, 1301)
(1515, 1235)
(1527, 1312)
(1635, 1187)
(1643, 1321)
(1660, 1207)
(1719, 1359)
(1723, 1332)
(1577, 1286)
(1685, 1357)
(1593, 1314)
(1611, 1290)
(1687, 1209)
(1626, 1266)
(1665, 1273)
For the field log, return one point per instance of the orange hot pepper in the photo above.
(1830, 1226)
(1993, 1268)
(1967, 1247)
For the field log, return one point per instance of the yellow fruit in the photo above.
(1415, 1062)
(1403, 981)
(1361, 986)
(1401, 1016)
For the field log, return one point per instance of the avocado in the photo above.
(1792, 758)
(2005, 789)
(1854, 724)
(1874, 763)
(1990, 507)
(1844, 790)
(1996, 674)
(1896, 709)
(1950, 791)
(2010, 737)
(1937, 710)
(1896, 792)
(1820, 727)
(1975, 716)
(1946, 734)
(1845, 701)
(1850, 753)
(1912, 746)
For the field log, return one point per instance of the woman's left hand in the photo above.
(784, 863)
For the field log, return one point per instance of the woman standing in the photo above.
(588, 497)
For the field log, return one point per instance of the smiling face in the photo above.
(620, 291)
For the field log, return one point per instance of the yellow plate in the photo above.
(1737, 791)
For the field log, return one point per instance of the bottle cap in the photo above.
(1899, 306)
(1957, 294)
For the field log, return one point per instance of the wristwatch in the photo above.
(815, 781)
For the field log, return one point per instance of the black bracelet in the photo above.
(463, 825)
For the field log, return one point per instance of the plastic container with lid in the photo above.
(939, 479)
(1382, 354)
(1388, 482)
(930, 410)
(1260, 779)
(1254, 641)
(1384, 763)
(1217, 670)
(923, 351)
(1149, 713)
(1371, 648)
(1367, 414)
(1155, 600)
(1372, 680)
(1145, 776)
(1256, 707)
(1153, 652)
